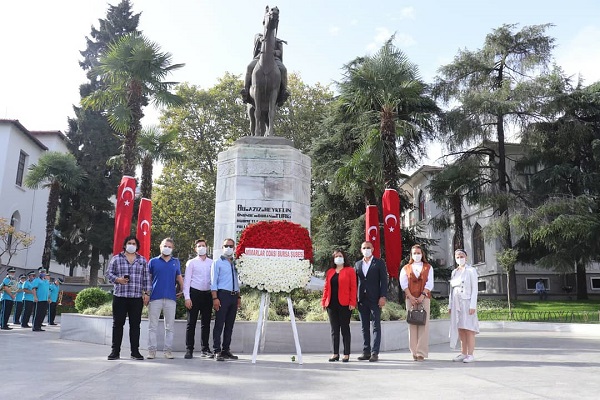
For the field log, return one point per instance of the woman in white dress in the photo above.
(462, 306)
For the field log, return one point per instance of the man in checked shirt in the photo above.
(128, 271)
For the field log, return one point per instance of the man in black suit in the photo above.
(372, 293)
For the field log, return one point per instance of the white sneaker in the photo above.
(151, 354)
(169, 355)
(469, 359)
(459, 358)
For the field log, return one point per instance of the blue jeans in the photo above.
(370, 312)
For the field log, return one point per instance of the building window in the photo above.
(595, 283)
(478, 245)
(421, 205)
(530, 283)
(481, 286)
(21, 168)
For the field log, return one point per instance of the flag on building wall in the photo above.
(144, 227)
(372, 229)
(391, 231)
(123, 212)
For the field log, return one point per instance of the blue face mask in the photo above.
(42, 275)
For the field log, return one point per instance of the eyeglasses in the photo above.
(229, 246)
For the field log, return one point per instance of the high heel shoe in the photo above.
(335, 358)
(346, 359)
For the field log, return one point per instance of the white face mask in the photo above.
(201, 250)
(167, 251)
(228, 251)
(367, 252)
(461, 261)
(338, 261)
(131, 248)
(417, 257)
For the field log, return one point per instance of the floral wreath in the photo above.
(271, 273)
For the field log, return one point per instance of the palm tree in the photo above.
(133, 71)
(155, 145)
(385, 90)
(56, 171)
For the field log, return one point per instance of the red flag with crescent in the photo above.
(144, 227)
(123, 212)
(391, 231)
(372, 229)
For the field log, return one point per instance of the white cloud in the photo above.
(580, 56)
(406, 13)
(382, 34)
(334, 30)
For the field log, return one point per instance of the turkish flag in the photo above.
(391, 231)
(372, 229)
(144, 227)
(123, 212)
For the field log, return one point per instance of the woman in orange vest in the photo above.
(416, 280)
(339, 299)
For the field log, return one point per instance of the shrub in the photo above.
(91, 297)
(434, 309)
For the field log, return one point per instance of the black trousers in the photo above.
(339, 319)
(201, 304)
(39, 313)
(124, 307)
(27, 310)
(5, 310)
(18, 312)
(52, 312)
(224, 320)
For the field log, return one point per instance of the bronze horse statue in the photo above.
(266, 80)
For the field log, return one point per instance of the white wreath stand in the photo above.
(263, 315)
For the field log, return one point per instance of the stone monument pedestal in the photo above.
(260, 179)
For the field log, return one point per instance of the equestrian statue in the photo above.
(265, 85)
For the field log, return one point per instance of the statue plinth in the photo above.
(260, 179)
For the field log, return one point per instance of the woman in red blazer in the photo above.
(339, 298)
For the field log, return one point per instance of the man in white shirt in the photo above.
(198, 299)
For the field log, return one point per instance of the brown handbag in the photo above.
(416, 317)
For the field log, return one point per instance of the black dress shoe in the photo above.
(39, 330)
(346, 358)
(25, 326)
(188, 354)
(374, 358)
(6, 328)
(219, 357)
(227, 354)
(335, 358)
(364, 357)
(137, 356)
(52, 324)
(114, 356)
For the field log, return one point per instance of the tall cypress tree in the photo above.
(86, 223)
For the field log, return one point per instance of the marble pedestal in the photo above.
(260, 179)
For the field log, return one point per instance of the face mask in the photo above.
(338, 261)
(367, 252)
(228, 251)
(461, 261)
(201, 250)
(417, 257)
(131, 248)
(42, 275)
(167, 251)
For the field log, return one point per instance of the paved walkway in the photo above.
(510, 365)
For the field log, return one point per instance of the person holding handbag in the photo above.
(462, 306)
(416, 280)
(339, 299)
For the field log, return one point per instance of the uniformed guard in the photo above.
(27, 299)
(7, 298)
(54, 291)
(40, 298)
(19, 300)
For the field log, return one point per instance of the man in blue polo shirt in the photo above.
(165, 271)
(54, 292)
(7, 298)
(226, 300)
(41, 291)
(27, 299)
(19, 300)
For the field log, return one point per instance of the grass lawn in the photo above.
(550, 305)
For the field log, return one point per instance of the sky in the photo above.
(40, 40)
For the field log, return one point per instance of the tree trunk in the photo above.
(582, 293)
(53, 199)
(134, 104)
(390, 155)
(394, 290)
(146, 186)
(94, 266)
(72, 268)
(459, 236)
